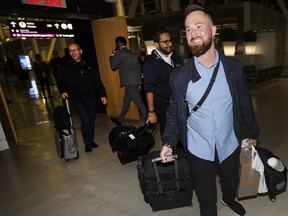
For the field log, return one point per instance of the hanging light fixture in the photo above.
(111, 1)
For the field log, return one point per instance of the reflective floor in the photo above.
(35, 182)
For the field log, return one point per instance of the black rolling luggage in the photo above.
(130, 142)
(65, 136)
(165, 186)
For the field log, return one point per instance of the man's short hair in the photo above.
(77, 44)
(121, 39)
(193, 7)
(157, 32)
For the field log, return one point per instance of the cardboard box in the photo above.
(249, 178)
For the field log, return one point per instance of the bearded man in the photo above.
(157, 70)
(210, 131)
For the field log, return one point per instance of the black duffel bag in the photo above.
(131, 142)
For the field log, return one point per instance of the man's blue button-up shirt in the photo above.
(211, 126)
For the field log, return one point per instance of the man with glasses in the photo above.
(157, 70)
(80, 80)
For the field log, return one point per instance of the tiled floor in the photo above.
(34, 182)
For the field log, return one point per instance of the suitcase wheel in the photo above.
(76, 158)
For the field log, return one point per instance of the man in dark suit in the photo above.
(130, 76)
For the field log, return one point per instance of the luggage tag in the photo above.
(131, 136)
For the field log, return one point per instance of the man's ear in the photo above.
(214, 30)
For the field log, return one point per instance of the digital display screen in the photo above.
(25, 62)
(35, 29)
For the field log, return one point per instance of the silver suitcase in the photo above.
(65, 140)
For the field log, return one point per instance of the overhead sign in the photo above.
(49, 3)
(35, 29)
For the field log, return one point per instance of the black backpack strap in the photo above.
(212, 80)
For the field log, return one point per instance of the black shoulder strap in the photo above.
(212, 80)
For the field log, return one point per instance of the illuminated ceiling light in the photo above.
(111, 1)
(229, 48)
(134, 28)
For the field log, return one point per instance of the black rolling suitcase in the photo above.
(65, 136)
(130, 142)
(165, 186)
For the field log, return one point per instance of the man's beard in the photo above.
(200, 49)
(164, 51)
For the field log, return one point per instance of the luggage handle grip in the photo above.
(154, 160)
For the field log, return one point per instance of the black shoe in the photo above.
(235, 206)
(115, 120)
(94, 145)
(88, 148)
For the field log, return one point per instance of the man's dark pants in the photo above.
(132, 93)
(204, 180)
(160, 110)
(87, 112)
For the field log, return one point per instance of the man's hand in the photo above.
(64, 95)
(152, 117)
(252, 142)
(104, 100)
(165, 154)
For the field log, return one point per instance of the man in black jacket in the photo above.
(212, 134)
(80, 81)
(157, 70)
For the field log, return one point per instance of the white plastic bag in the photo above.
(257, 164)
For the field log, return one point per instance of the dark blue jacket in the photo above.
(243, 112)
(157, 74)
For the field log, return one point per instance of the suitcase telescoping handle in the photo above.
(68, 110)
(154, 162)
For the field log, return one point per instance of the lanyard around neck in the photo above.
(159, 56)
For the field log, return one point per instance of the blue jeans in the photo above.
(87, 112)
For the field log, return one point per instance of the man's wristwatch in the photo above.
(168, 145)
(152, 111)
